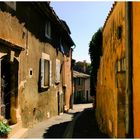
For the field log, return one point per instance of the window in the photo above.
(11, 5)
(45, 71)
(57, 71)
(48, 29)
(119, 32)
(30, 73)
(61, 46)
(79, 80)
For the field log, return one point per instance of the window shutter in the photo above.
(42, 72)
(50, 72)
(57, 70)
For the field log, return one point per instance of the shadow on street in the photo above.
(57, 131)
(86, 126)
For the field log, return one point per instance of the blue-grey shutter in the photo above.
(57, 71)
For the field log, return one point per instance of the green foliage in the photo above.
(83, 67)
(4, 128)
(95, 51)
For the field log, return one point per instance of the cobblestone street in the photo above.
(77, 123)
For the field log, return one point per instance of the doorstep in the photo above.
(17, 131)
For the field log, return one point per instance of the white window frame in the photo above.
(48, 29)
(47, 58)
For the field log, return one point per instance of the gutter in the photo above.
(129, 72)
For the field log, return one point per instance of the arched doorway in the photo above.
(9, 88)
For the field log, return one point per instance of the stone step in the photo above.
(17, 131)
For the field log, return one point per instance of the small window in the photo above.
(30, 73)
(57, 71)
(11, 5)
(48, 29)
(45, 71)
(119, 32)
(61, 46)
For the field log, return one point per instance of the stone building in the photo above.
(35, 63)
(117, 97)
(81, 87)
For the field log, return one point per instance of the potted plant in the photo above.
(4, 128)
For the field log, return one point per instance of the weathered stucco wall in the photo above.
(110, 94)
(67, 81)
(136, 67)
(11, 30)
(33, 106)
(37, 106)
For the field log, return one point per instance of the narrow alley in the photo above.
(69, 69)
(77, 123)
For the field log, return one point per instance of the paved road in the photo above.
(86, 126)
(77, 123)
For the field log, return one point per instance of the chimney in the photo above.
(84, 68)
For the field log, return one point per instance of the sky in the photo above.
(84, 19)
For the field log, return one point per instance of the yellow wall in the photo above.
(136, 68)
(108, 82)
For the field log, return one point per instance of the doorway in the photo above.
(9, 88)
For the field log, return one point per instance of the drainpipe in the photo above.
(0, 88)
(129, 68)
(72, 81)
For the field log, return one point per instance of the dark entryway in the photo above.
(9, 85)
(60, 102)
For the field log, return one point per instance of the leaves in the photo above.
(4, 128)
(95, 51)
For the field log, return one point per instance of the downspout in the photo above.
(0, 88)
(71, 99)
(129, 68)
(72, 81)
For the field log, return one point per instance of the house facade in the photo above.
(81, 87)
(35, 62)
(117, 97)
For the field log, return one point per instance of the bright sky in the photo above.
(84, 19)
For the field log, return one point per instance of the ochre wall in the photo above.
(67, 80)
(11, 30)
(136, 67)
(32, 106)
(109, 81)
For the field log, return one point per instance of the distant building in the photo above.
(81, 87)
(35, 63)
